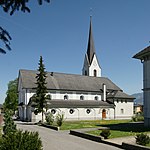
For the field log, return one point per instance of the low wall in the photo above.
(127, 146)
(93, 138)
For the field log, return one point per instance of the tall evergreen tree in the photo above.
(40, 98)
(9, 125)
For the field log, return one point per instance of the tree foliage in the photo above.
(39, 100)
(17, 5)
(20, 140)
(11, 6)
(11, 100)
(5, 38)
(9, 126)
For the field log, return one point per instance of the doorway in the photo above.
(103, 114)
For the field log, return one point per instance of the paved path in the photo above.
(61, 140)
(128, 139)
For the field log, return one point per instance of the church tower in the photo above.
(91, 65)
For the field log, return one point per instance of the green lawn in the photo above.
(123, 129)
(0, 131)
(68, 125)
(114, 133)
(118, 128)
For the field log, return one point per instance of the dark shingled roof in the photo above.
(70, 82)
(78, 104)
(120, 95)
(143, 53)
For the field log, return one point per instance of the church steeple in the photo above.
(91, 47)
(91, 65)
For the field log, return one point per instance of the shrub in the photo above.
(142, 139)
(60, 119)
(138, 117)
(49, 118)
(105, 133)
(20, 140)
(9, 125)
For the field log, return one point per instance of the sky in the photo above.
(59, 33)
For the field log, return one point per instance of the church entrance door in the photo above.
(103, 114)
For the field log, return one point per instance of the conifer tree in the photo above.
(9, 126)
(40, 98)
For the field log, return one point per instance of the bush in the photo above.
(138, 117)
(20, 140)
(142, 139)
(49, 118)
(105, 133)
(9, 125)
(60, 119)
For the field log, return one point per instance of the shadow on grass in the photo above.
(128, 127)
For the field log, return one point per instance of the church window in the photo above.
(88, 111)
(81, 97)
(96, 97)
(65, 97)
(122, 111)
(53, 111)
(71, 111)
(95, 73)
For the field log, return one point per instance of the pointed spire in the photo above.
(91, 47)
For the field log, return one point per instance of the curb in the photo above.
(93, 138)
(134, 147)
(51, 127)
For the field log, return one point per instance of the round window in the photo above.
(53, 111)
(71, 111)
(88, 111)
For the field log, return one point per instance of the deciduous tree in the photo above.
(10, 6)
(11, 100)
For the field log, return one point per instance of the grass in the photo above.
(68, 125)
(118, 128)
(123, 129)
(1, 131)
(114, 133)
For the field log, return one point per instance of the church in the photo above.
(79, 97)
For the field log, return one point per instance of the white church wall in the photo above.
(74, 95)
(124, 109)
(94, 66)
(83, 113)
(146, 85)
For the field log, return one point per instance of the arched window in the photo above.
(95, 73)
(81, 97)
(96, 98)
(65, 97)
(122, 111)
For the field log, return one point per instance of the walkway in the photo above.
(61, 140)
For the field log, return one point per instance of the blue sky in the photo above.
(59, 32)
